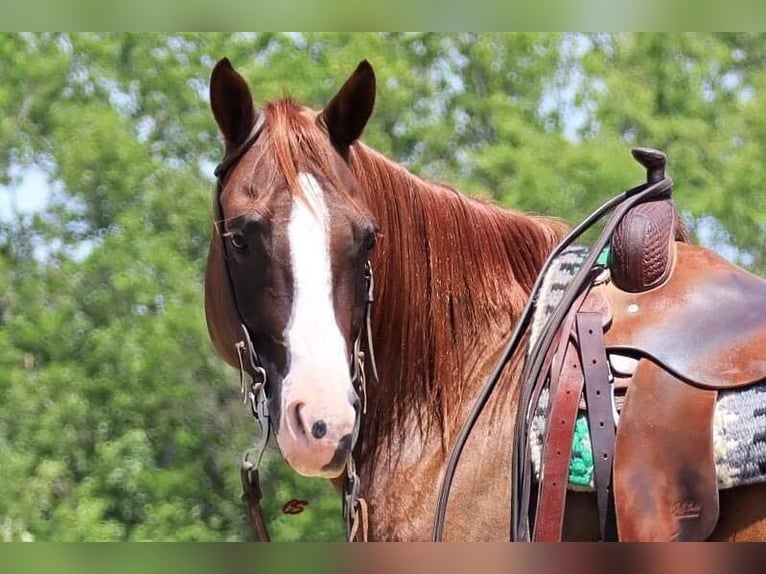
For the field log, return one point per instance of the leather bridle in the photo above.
(354, 506)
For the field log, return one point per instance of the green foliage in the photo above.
(117, 420)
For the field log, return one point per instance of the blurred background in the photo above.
(117, 420)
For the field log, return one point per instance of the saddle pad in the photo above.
(739, 420)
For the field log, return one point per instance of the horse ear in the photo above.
(348, 111)
(231, 103)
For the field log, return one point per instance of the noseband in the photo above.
(354, 507)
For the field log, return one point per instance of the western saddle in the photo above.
(669, 324)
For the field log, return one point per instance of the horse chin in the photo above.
(312, 471)
(320, 473)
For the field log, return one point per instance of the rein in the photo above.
(658, 185)
(355, 510)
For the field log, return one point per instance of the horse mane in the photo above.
(291, 133)
(450, 272)
(453, 272)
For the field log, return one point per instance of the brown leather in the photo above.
(551, 356)
(664, 470)
(565, 400)
(595, 302)
(643, 246)
(697, 324)
(251, 496)
(664, 473)
(706, 324)
(598, 396)
(566, 383)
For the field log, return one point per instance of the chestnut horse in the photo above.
(303, 206)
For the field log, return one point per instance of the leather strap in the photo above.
(539, 386)
(598, 397)
(565, 399)
(251, 496)
(360, 522)
(565, 392)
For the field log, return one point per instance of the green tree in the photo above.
(117, 420)
(698, 97)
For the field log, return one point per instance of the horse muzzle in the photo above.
(316, 437)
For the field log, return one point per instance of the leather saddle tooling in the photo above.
(671, 324)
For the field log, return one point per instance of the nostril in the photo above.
(295, 421)
(319, 429)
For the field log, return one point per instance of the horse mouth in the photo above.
(339, 458)
(314, 463)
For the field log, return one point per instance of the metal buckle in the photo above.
(358, 374)
(252, 457)
(256, 396)
(350, 496)
(370, 281)
(362, 380)
(259, 403)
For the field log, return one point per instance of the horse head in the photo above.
(289, 260)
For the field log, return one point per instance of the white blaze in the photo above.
(319, 360)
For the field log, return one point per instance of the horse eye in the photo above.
(237, 240)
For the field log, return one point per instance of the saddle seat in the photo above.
(706, 324)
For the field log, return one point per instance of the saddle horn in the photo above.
(643, 246)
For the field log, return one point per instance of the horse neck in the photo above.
(451, 272)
